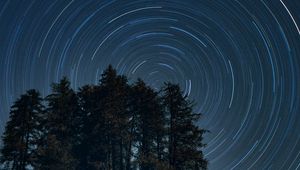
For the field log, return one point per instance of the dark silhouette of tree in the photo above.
(22, 132)
(89, 99)
(185, 138)
(150, 126)
(114, 104)
(56, 152)
(109, 126)
(106, 118)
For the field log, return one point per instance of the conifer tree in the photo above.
(149, 126)
(185, 138)
(89, 101)
(114, 90)
(57, 151)
(107, 121)
(22, 132)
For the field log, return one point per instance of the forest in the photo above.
(113, 125)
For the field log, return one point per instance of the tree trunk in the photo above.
(121, 166)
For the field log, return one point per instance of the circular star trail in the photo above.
(238, 60)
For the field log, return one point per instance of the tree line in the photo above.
(110, 126)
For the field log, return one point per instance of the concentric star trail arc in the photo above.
(237, 60)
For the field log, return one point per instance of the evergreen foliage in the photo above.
(110, 126)
(23, 132)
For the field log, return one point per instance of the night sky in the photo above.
(239, 60)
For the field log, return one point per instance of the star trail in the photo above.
(239, 60)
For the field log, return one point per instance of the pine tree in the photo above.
(88, 101)
(149, 126)
(185, 138)
(22, 132)
(107, 121)
(114, 89)
(57, 150)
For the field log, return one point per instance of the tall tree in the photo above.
(57, 151)
(108, 121)
(22, 132)
(185, 138)
(85, 151)
(114, 89)
(149, 125)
